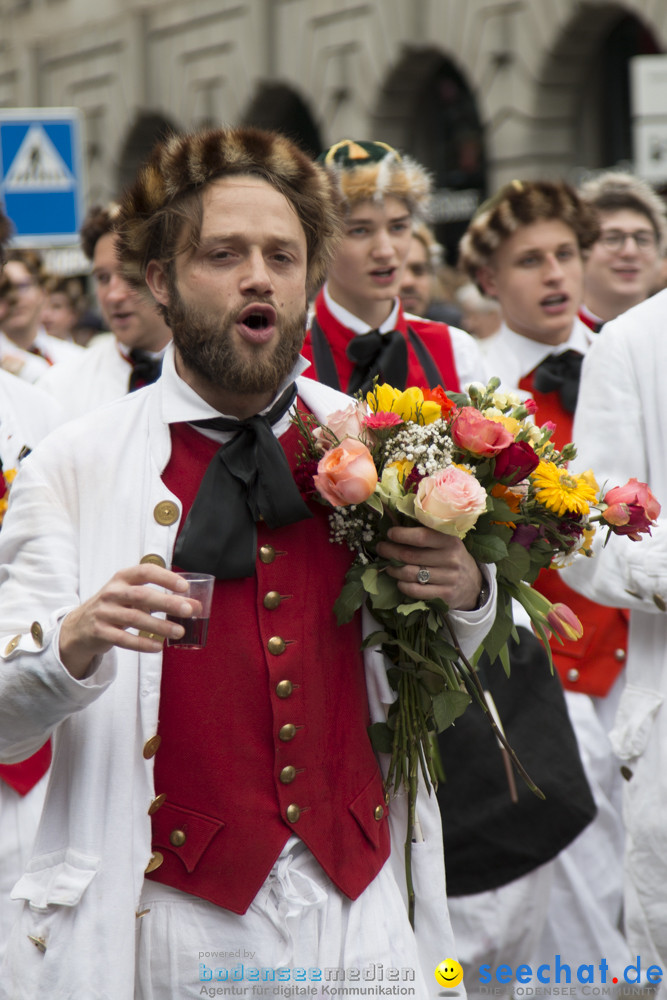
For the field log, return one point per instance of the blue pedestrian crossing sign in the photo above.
(41, 176)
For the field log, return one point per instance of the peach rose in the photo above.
(346, 423)
(450, 501)
(346, 474)
(472, 431)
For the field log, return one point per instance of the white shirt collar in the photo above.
(516, 356)
(353, 322)
(181, 404)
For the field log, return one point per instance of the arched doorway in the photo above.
(427, 109)
(278, 107)
(589, 67)
(148, 128)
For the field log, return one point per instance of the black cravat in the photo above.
(384, 355)
(248, 478)
(560, 373)
(145, 369)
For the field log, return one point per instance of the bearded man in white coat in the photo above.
(225, 798)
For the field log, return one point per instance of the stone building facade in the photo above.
(479, 90)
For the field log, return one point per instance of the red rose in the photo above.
(475, 433)
(515, 463)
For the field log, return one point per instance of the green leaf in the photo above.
(407, 609)
(369, 579)
(382, 738)
(448, 706)
(349, 601)
(375, 502)
(499, 633)
(386, 594)
(486, 548)
(499, 508)
(375, 639)
(517, 564)
(406, 504)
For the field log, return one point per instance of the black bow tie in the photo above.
(384, 355)
(248, 478)
(145, 369)
(560, 373)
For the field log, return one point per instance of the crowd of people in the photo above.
(158, 805)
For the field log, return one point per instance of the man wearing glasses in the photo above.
(623, 265)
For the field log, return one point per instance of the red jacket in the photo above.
(592, 664)
(434, 336)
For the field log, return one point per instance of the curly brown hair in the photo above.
(521, 203)
(99, 221)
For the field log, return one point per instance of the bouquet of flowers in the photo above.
(475, 466)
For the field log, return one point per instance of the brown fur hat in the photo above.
(372, 171)
(521, 203)
(153, 213)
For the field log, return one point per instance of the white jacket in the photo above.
(95, 376)
(621, 432)
(94, 490)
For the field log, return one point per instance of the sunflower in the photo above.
(562, 491)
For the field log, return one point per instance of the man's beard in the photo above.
(204, 341)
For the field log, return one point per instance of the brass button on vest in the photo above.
(166, 512)
(619, 655)
(158, 801)
(272, 600)
(288, 774)
(12, 644)
(284, 689)
(573, 675)
(177, 838)
(152, 746)
(293, 812)
(155, 862)
(287, 732)
(378, 812)
(153, 559)
(276, 645)
(37, 634)
(267, 554)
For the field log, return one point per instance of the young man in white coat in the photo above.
(129, 357)
(225, 798)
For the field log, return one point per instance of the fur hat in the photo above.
(615, 191)
(151, 218)
(521, 203)
(372, 171)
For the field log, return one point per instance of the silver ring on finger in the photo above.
(423, 575)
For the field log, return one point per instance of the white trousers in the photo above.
(298, 921)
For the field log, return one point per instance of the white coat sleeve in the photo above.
(616, 426)
(470, 363)
(38, 586)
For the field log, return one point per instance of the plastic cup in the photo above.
(200, 588)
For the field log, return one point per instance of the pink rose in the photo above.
(346, 474)
(631, 509)
(451, 501)
(477, 434)
(347, 423)
(515, 463)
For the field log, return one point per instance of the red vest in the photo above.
(24, 776)
(435, 337)
(264, 732)
(592, 664)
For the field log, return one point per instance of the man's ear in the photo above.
(486, 278)
(156, 279)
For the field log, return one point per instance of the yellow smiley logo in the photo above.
(449, 973)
